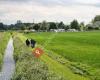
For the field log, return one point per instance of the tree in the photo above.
(74, 25)
(19, 25)
(96, 22)
(67, 27)
(23, 27)
(89, 27)
(61, 25)
(97, 18)
(11, 27)
(52, 25)
(44, 26)
(2, 26)
(36, 27)
(28, 25)
(82, 26)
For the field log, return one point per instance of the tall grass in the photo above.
(4, 37)
(28, 67)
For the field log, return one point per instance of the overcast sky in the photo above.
(49, 10)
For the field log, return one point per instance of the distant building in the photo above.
(57, 30)
(72, 30)
(95, 25)
(28, 31)
(32, 30)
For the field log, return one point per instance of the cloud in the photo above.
(88, 1)
(50, 10)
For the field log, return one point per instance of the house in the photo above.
(28, 31)
(72, 30)
(32, 30)
(95, 25)
(57, 30)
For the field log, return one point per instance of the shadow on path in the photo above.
(8, 62)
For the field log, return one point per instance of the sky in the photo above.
(49, 10)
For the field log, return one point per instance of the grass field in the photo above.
(28, 67)
(71, 56)
(63, 72)
(4, 37)
(83, 48)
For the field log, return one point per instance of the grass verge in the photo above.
(28, 67)
(4, 37)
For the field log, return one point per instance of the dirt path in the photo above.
(8, 63)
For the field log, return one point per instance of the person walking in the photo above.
(27, 42)
(33, 42)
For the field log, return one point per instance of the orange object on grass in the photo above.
(37, 52)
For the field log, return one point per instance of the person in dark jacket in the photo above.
(27, 42)
(33, 42)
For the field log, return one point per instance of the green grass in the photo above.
(82, 49)
(57, 67)
(4, 37)
(61, 69)
(27, 66)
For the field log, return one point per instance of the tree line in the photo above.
(46, 26)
